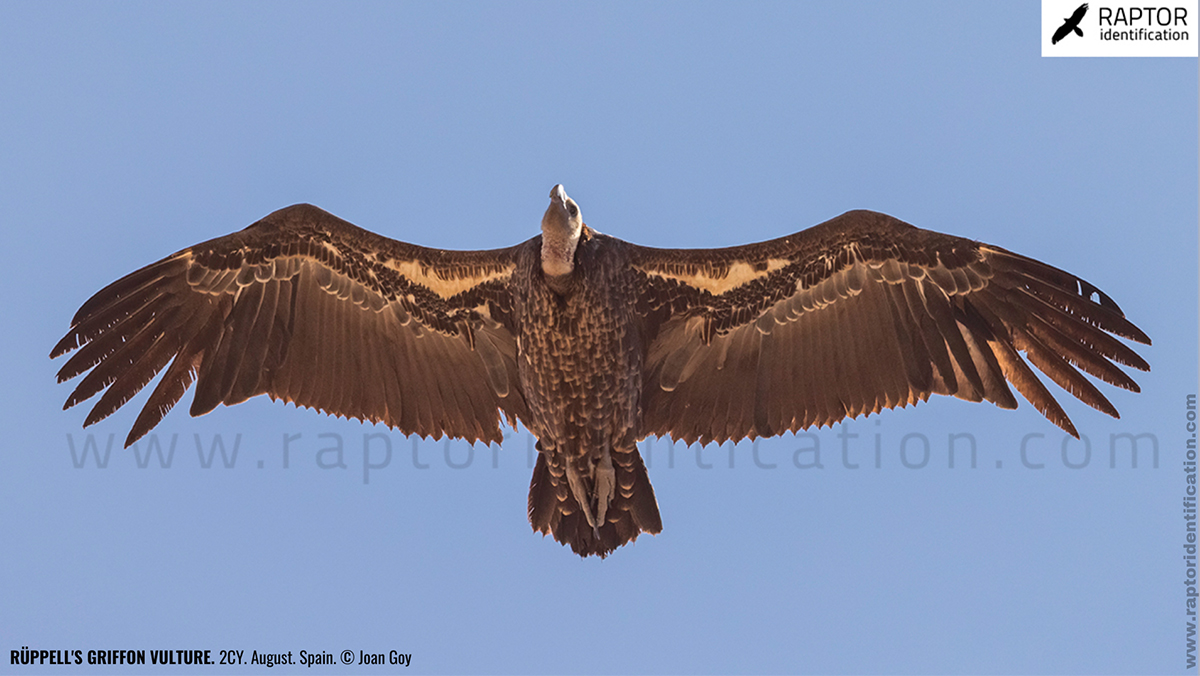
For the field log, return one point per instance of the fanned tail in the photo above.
(554, 510)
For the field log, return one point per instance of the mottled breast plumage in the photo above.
(581, 369)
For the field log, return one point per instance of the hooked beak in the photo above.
(557, 194)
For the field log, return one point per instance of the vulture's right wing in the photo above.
(305, 307)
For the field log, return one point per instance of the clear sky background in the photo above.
(131, 130)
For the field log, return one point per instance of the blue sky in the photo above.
(129, 131)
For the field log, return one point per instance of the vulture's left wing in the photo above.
(861, 313)
(305, 307)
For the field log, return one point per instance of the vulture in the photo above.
(593, 343)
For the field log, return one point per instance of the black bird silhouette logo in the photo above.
(1070, 25)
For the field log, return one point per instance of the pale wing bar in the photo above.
(329, 320)
(869, 313)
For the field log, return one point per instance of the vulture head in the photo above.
(561, 226)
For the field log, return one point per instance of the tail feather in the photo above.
(553, 509)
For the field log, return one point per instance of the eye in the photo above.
(573, 210)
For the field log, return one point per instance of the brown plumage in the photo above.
(594, 343)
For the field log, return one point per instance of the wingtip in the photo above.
(1065, 423)
(64, 345)
(134, 437)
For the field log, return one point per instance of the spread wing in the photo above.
(861, 313)
(305, 307)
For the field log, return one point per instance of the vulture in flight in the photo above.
(594, 343)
